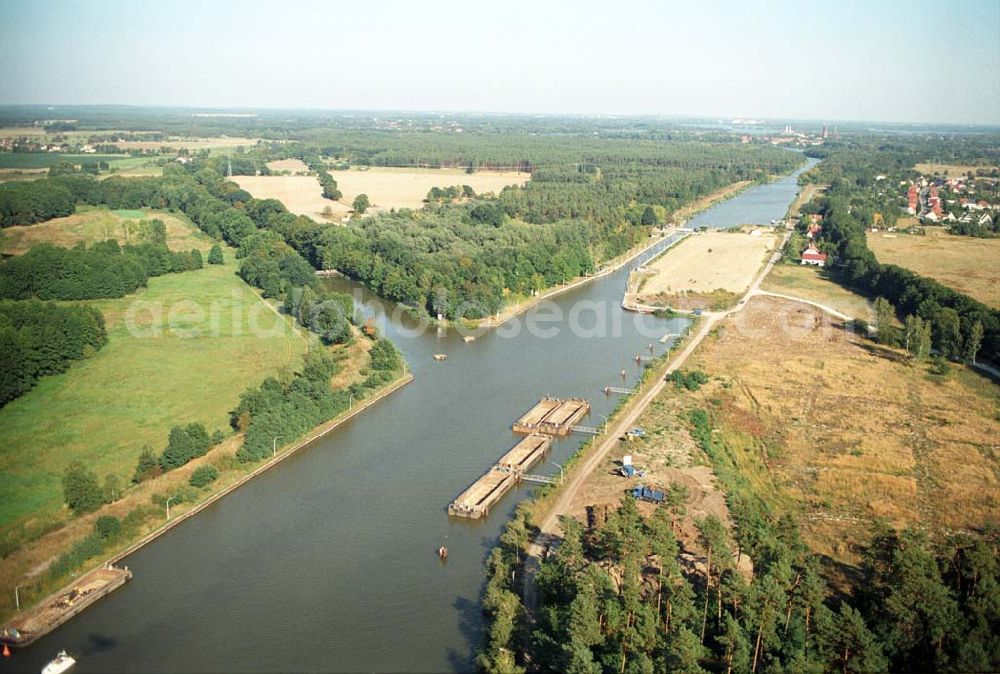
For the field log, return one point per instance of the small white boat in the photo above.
(440, 356)
(468, 338)
(61, 663)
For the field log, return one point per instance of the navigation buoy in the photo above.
(6, 651)
(443, 552)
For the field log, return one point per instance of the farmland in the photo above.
(951, 170)
(704, 263)
(387, 188)
(962, 263)
(406, 188)
(91, 224)
(203, 331)
(301, 195)
(838, 431)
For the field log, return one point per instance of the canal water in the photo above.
(328, 562)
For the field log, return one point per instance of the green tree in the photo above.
(948, 333)
(361, 204)
(148, 466)
(712, 536)
(80, 489)
(923, 348)
(849, 643)
(973, 342)
(180, 449)
(215, 255)
(884, 315)
(648, 217)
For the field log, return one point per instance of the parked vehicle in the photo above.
(642, 493)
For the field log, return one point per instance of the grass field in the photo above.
(813, 284)
(963, 263)
(706, 262)
(91, 224)
(838, 431)
(217, 337)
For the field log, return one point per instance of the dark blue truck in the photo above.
(649, 494)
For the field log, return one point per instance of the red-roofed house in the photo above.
(812, 256)
(814, 230)
(911, 200)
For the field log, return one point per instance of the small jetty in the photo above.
(553, 416)
(36, 622)
(476, 501)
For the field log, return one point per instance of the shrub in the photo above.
(203, 476)
(107, 527)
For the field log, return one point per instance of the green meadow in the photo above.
(179, 351)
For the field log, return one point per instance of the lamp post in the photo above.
(17, 597)
(350, 403)
(274, 445)
(605, 429)
(560, 471)
(168, 506)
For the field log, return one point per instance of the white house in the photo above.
(812, 256)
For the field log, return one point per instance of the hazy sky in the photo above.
(825, 60)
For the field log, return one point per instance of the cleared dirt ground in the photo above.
(963, 263)
(301, 195)
(706, 262)
(667, 455)
(839, 431)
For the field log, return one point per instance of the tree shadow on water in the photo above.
(470, 625)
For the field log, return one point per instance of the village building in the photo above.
(811, 255)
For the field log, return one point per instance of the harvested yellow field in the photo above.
(91, 224)
(301, 195)
(192, 144)
(18, 131)
(963, 263)
(407, 188)
(951, 170)
(709, 261)
(838, 431)
(290, 165)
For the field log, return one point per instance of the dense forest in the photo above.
(624, 595)
(43, 338)
(103, 270)
(620, 598)
(960, 325)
